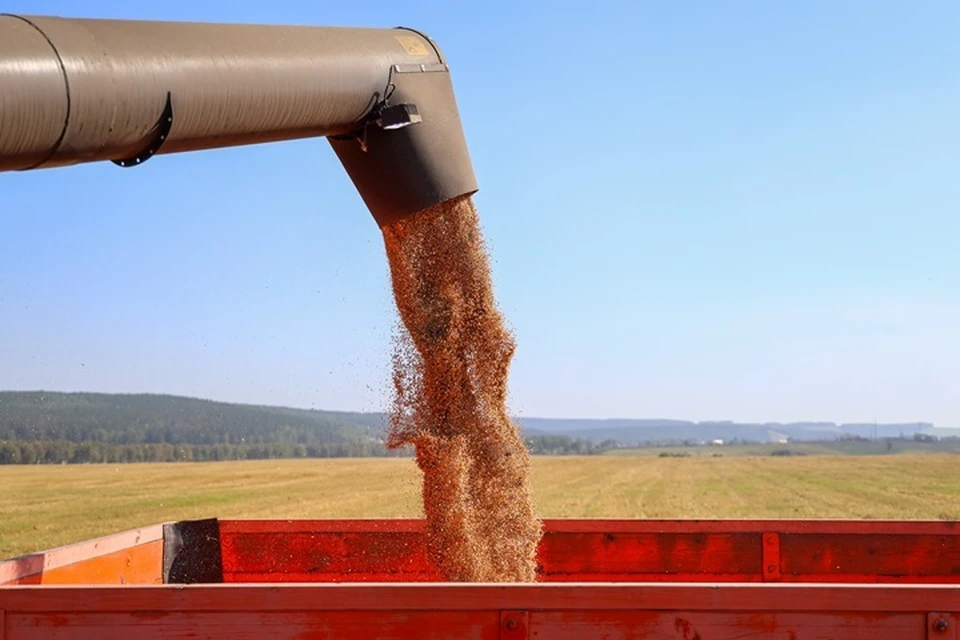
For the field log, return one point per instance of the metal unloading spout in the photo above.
(75, 91)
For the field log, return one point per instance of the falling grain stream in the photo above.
(450, 365)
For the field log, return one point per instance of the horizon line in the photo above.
(921, 423)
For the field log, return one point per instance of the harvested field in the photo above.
(46, 506)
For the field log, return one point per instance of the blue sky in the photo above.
(701, 210)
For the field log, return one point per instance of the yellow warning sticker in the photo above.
(413, 45)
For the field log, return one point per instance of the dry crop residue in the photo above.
(450, 366)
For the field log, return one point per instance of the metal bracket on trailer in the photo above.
(514, 625)
(943, 626)
(191, 552)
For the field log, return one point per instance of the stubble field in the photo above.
(46, 506)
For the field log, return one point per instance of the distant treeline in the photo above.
(80, 428)
(552, 445)
(83, 428)
(65, 452)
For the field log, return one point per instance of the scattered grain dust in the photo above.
(451, 360)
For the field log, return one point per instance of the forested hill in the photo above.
(154, 419)
(53, 427)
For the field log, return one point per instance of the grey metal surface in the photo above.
(400, 174)
(74, 90)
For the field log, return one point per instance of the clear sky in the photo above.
(742, 210)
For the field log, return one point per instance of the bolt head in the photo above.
(941, 625)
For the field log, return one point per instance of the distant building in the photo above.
(778, 437)
(718, 443)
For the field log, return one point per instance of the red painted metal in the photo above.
(514, 625)
(131, 557)
(710, 612)
(615, 525)
(942, 626)
(771, 556)
(825, 556)
(609, 550)
(750, 598)
(613, 579)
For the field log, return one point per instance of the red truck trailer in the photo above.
(610, 579)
